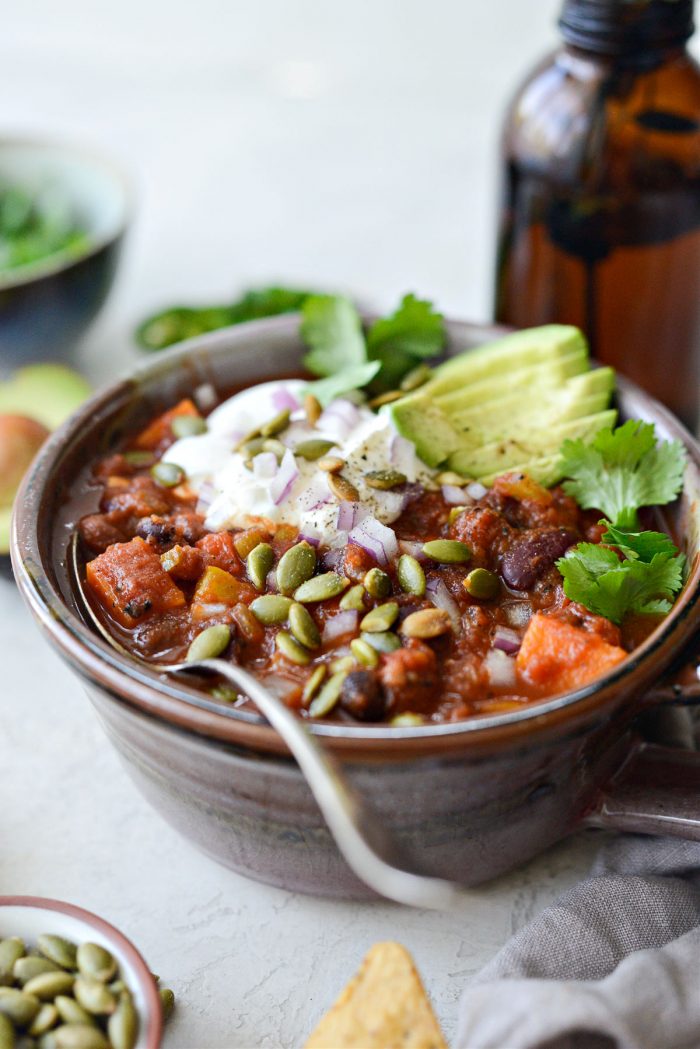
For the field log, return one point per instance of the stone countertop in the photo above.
(351, 147)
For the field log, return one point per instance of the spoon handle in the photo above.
(359, 832)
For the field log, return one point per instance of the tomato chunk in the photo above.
(556, 656)
(218, 549)
(129, 582)
(158, 432)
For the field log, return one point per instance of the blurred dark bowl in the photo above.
(46, 308)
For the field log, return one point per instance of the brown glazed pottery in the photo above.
(468, 799)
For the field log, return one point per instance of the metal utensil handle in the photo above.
(359, 832)
(657, 791)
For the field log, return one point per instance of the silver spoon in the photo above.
(359, 832)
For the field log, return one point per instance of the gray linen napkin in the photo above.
(613, 964)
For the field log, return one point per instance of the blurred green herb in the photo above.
(35, 227)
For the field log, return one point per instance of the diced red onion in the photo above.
(376, 539)
(207, 494)
(309, 536)
(411, 492)
(441, 597)
(271, 581)
(476, 490)
(403, 455)
(392, 504)
(281, 686)
(281, 484)
(205, 396)
(346, 516)
(283, 399)
(339, 418)
(339, 625)
(518, 613)
(407, 546)
(501, 669)
(506, 640)
(331, 559)
(265, 466)
(453, 495)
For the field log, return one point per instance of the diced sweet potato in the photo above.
(520, 486)
(559, 657)
(183, 562)
(218, 590)
(130, 582)
(158, 432)
(218, 549)
(248, 539)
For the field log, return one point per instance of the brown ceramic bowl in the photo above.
(472, 799)
(30, 916)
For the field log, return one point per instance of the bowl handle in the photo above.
(657, 791)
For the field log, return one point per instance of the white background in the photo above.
(348, 145)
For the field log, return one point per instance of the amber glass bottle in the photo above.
(600, 217)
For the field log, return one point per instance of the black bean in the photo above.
(530, 557)
(157, 530)
(362, 696)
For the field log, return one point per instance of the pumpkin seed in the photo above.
(312, 408)
(167, 475)
(313, 449)
(117, 986)
(251, 435)
(26, 969)
(94, 960)
(276, 424)
(44, 1020)
(450, 477)
(58, 950)
(303, 626)
(253, 447)
(383, 642)
(482, 584)
(291, 649)
(123, 1024)
(137, 458)
(377, 583)
(94, 996)
(342, 664)
(70, 1012)
(225, 694)
(385, 398)
(354, 599)
(330, 464)
(47, 985)
(167, 1001)
(321, 588)
(271, 444)
(258, 563)
(417, 376)
(447, 551)
(210, 643)
(328, 696)
(7, 1033)
(11, 950)
(18, 1006)
(454, 513)
(427, 623)
(271, 609)
(363, 652)
(313, 683)
(78, 1036)
(407, 720)
(187, 425)
(410, 575)
(381, 618)
(343, 489)
(384, 480)
(295, 567)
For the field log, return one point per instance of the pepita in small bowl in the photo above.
(70, 980)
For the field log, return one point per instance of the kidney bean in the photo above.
(530, 557)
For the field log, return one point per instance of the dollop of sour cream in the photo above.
(236, 491)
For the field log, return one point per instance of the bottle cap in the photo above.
(626, 27)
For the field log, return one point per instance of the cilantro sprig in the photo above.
(619, 472)
(346, 360)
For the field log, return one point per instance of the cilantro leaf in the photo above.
(638, 545)
(622, 470)
(352, 378)
(415, 331)
(597, 579)
(331, 327)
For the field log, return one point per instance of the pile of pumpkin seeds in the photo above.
(61, 995)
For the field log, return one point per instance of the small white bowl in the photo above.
(30, 916)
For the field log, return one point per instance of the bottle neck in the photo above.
(631, 32)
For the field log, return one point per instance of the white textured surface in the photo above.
(351, 145)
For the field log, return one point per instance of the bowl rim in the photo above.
(153, 1033)
(94, 158)
(143, 687)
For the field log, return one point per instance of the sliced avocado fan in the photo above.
(48, 393)
(508, 405)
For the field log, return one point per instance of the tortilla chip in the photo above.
(383, 1007)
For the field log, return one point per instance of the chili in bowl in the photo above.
(446, 726)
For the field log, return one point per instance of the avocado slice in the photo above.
(548, 376)
(5, 521)
(424, 423)
(522, 451)
(48, 393)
